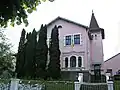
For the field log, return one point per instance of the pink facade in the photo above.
(112, 63)
(76, 50)
(96, 47)
(91, 51)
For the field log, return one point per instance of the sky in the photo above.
(106, 12)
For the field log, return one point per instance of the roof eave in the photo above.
(67, 21)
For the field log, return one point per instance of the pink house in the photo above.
(112, 64)
(81, 46)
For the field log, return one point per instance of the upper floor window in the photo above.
(68, 40)
(73, 39)
(77, 39)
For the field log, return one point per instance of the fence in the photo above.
(17, 84)
(94, 86)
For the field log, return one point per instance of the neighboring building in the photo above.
(81, 46)
(113, 64)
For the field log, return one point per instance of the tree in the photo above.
(15, 11)
(29, 66)
(6, 57)
(21, 55)
(33, 43)
(54, 52)
(41, 53)
(28, 61)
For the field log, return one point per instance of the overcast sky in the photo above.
(107, 13)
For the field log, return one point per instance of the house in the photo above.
(112, 65)
(81, 46)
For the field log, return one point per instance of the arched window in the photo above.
(66, 62)
(73, 61)
(79, 61)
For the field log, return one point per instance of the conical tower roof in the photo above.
(93, 22)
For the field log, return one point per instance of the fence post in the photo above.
(110, 85)
(80, 77)
(14, 84)
(77, 85)
(80, 81)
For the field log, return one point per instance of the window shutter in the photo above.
(81, 39)
(64, 41)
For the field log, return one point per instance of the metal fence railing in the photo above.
(17, 84)
(94, 86)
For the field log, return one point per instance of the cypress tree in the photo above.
(20, 55)
(34, 43)
(30, 55)
(41, 53)
(54, 53)
(27, 66)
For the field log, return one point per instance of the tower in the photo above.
(96, 44)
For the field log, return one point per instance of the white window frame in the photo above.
(80, 38)
(72, 38)
(65, 39)
(76, 60)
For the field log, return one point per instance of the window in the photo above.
(95, 37)
(66, 62)
(79, 61)
(77, 39)
(73, 61)
(92, 37)
(68, 40)
(109, 70)
(96, 66)
(97, 71)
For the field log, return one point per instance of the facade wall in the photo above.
(96, 46)
(113, 63)
(68, 51)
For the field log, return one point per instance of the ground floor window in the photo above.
(79, 61)
(72, 61)
(66, 62)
